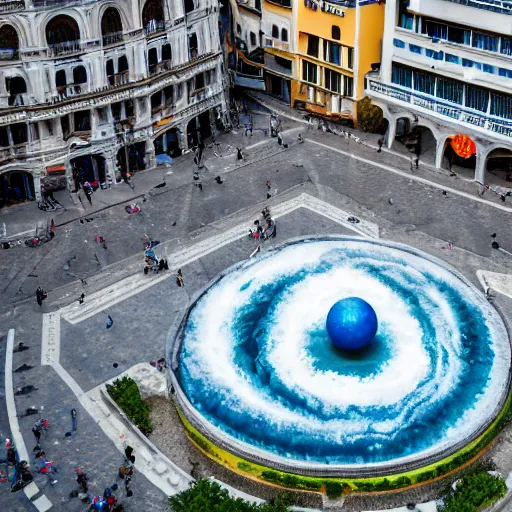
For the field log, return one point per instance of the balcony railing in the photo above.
(66, 48)
(11, 5)
(444, 108)
(112, 38)
(118, 79)
(9, 54)
(160, 67)
(501, 6)
(153, 27)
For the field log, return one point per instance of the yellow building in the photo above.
(336, 44)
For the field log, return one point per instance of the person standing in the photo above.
(40, 295)
(88, 192)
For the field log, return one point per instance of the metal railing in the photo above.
(153, 27)
(457, 112)
(65, 48)
(160, 67)
(11, 5)
(113, 38)
(501, 6)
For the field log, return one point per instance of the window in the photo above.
(166, 52)
(309, 72)
(415, 48)
(275, 31)
(459, 35)
(348, 85)
(501, 105)
(467, 63)
(401, 76)
(285, 63)
(424, 82)
(200, 81)
(238, 29)
(449, 90)
(189, 6)
(448, 57)
(336, 32)
(350, 58)
(434, 29)
(487, 68)
(434, 55)
(313, 45)
(506, 45)
(505, 72)
(60, 78)
(398, 43)
(332, 52)
(192, 45)
(284, 35)
(252, 37)
(333, 80)
(79, 75)
(485, 41)
(476, 98)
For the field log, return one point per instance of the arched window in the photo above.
(336, 32)
(9, 43)
(110, 72)
(62, 29)
(153, 16)
(193, 51)
(284, 35)
(16, 87)
(166, 52)
(111, 26)
(60, 78)
(79, 75)
(275, 31)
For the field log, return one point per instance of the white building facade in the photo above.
(447, 66)
(91, 89)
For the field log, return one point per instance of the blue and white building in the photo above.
(447, 66)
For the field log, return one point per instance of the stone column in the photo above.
(441, 142)
(390, 134)
(481, 160)
(37, 188)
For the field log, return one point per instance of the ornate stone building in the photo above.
(90, 89)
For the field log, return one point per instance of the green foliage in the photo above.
(208, 496)
(291, 481)
(474, 492)
(126, 394)
(245, 466)
(333, 489)
(370, 117)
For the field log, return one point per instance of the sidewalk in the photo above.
(366, 144)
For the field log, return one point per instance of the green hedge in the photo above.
(474, 492)
(126, 394)
(208, 496)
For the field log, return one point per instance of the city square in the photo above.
(226, 277)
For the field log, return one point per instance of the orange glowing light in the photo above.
(463, 145)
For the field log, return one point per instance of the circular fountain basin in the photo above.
(256, 373)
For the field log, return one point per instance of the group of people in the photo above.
(264, 227)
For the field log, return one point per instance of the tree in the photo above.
(370, 117)
(209, 496)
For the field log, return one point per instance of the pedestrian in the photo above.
(81, 298)
(380, 143)
(239, 154)
(110, 322)
(40, 295)
(269, 189)
(128, 451)
(300, 138)
(280, 138)
(36, 430)
(179, 279)
(88, 191)
(417, 162)
(412, 162)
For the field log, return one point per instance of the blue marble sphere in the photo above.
(351, 323)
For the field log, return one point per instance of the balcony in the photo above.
(113, 38)
(277, 43)
(165, 65)
(500, 6)
(66, 48)
(457, 113)
(154, 27)
(11, 5)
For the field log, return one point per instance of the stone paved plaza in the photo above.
(317, 185)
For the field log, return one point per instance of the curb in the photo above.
(42, 503)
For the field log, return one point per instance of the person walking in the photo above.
(269, 189)
(179, 279)
(88, 191)
(40, 295)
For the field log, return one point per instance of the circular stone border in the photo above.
(261, 457)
